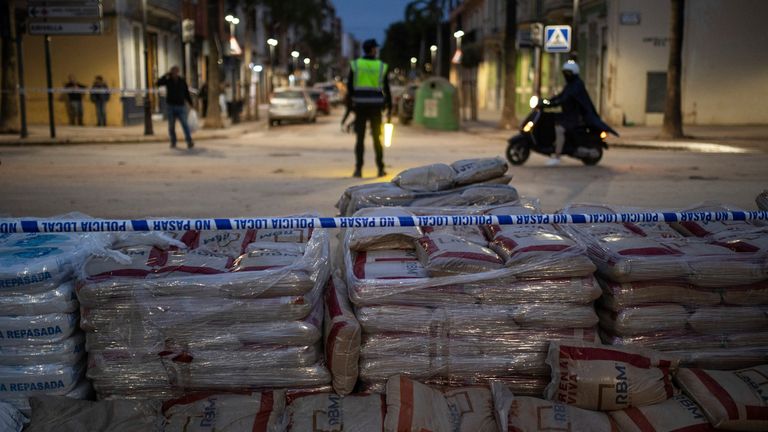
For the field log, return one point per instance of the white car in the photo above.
(292, 104)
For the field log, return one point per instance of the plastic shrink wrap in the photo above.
(445, 308)
(238, 310)
(465, 183)
(41, 347)
(695, 287)
(762, 200)
(341, 336)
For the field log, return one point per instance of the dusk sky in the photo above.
(367, 19)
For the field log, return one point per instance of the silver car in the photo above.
(291, 104)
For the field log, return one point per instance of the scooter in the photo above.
(537, 133)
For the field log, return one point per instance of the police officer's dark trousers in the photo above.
(363, 115)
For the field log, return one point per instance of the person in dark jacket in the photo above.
(367, 95)
(578, 110)
(100, 97)
(74, 100)
(176, 97)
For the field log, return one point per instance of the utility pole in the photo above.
(49, 84)
(147, 108)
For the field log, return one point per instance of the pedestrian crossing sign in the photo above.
(557, 38)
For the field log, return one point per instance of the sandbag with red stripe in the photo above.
(415, 407)
(731, 400)
(378, 238)
(678, 414)
(198, 412)
(329, 412)
(530, 414)
(446, 254)
(342, 337)
(605, 378)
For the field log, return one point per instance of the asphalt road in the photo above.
(298, 168)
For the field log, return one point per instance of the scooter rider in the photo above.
(578, 110)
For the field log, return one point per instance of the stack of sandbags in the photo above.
(42, 350)
(439, 304)
(470, 182)
(762, 200)
(700, 296)
(234, 310)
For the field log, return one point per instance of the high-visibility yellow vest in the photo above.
(369, 76)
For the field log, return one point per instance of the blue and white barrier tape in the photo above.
(118, 225)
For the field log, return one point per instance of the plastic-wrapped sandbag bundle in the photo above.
(762, 200)
(42, 350)
(441, 305)
(470, 182)
(695, 289)
(234, 310)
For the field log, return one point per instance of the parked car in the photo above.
(321, 100)
(332, 91)
(291, 104)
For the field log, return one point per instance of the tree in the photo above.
(508, 114)
(673, 116)
(213, 116)
(9, 111)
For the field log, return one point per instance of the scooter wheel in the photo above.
(518, 150)
(593, 160)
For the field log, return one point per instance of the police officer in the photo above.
(368, 93)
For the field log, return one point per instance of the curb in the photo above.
(141, 139)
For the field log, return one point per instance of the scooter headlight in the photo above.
(603, 135)
(534, 102)
(528, 126)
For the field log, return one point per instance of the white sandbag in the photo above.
(377, 238)
(37, 329)
(529, 414)
(35, 269)
(200, 412)
(284, 235)
(445, 254)
(330, 412)
(232, 243)
(262, 256)
(607, 378)
(57, 379)
(67, 351)
(415, 407)
(676, 414)
(722, 358)
(762, 200)
(61, 299)
(731, 400)
(472, 233)
(619, 296)
(143, 261)
(182, 262)
(63, 414)
(644, 319)
(386, 255)
(11, 419)
(429, 178)
(542, 252)
(477, 170)
(746, 295)
(729, 319)
(388, 269)
(341, 336)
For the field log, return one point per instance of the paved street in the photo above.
(296, 168)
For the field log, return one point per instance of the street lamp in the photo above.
(433, 53)
(458, 35)
(413, 64)
(272, 44)
(295, 55)
(307, 61)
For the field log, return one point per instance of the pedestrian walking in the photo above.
(176, 97)
(74, 100)
(368, 94)
(100, 97)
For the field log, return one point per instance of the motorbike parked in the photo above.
(537, 133)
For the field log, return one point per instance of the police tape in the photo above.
(172, 224)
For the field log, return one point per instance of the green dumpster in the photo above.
(437, 105)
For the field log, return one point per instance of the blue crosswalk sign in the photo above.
(557, 38)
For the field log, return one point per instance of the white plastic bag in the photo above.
(192, 121)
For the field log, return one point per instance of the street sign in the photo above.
(65, 28)
(93, 11)
(557, 38)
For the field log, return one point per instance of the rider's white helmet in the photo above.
(571, 66)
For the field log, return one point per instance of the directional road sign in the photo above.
(557, 38)
(65, 28)
(92, 11)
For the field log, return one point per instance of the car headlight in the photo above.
(533, 102)
(603, 135)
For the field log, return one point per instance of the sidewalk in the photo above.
(718, 139)
(75, 135)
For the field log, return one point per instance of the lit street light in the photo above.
(272, 44)
(307, 61)
(433, 52)
(458, 35)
